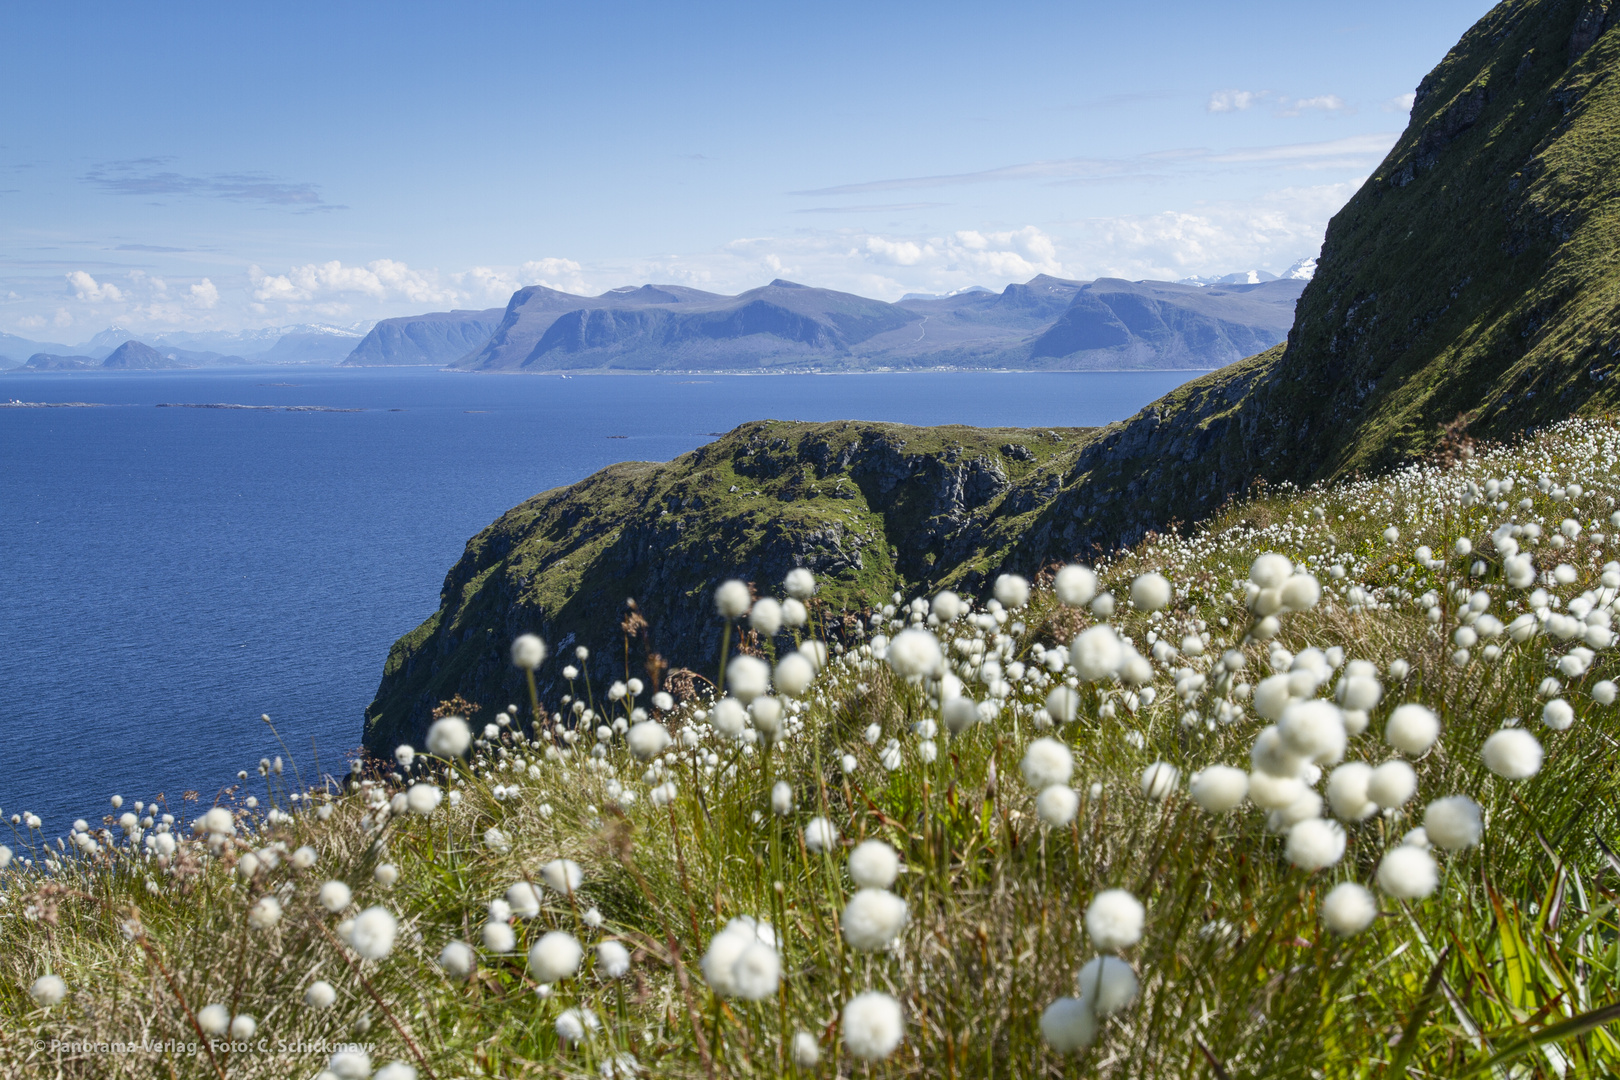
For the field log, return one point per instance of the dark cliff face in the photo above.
(868, 507)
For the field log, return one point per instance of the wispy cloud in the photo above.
(1328, 103)
(147, 247)
(1033, 170)
(1222, 101)
(870, 208)
(1401, 103)
(149, 177)
(1349, 151)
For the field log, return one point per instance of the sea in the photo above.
(171, 574)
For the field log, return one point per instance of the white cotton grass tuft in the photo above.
(1057, 805)
(915, 654)
(800, 583)
(573, 1025)
(1315, 843)
(732, 599)
(523, 899)
(1068, 1025)
(1453, 822)
(1151, 592)
(948, 607)
(729, 717)
(458, 960)
(449, 737)
(562, 876)
(497, 841)
(1270, 570)
(372, 935)
(48, 991)
(1392, 784)
(1012, 591)
(747, 677)
(1219, 788)
(782, 798)
(873, 1025)
(820, 835)
(214, 1019)
(806, 1050)
(349, 1063)
(265, 913)
(1408, 873)
(498, 937)
(1063, 704)
(1271, 792)
(555, 956)
(320, 994)
(794, 613)
(335, 896)
(1160, 779)
(423, 799)
(1412, 729)
(1114, 919)
(612, 959)
(1046, 762)
(1313, 730)
(959, 714)
(757, 972)
(766, 617)
(648, 739)
(528, 652)
(1348, 909)
(873, 864)
(385, 875)
(1097, 653)
(1108, 984)
(872, 919)
(395, 1070)
(1512, 753)
(1075, 585)
(733, 966)
(1347, 792)
(794, 673)
(243, 1026)
(1558, 714)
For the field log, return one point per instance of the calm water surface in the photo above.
(170, 574)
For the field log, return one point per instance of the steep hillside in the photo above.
(532, 310)
(869, 507)
(437, 338)
(56, 362)
(136, 356)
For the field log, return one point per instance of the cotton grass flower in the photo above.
(915, 654)
(1314, 844)
(757, 972)
(1412, 729)
(766, 617)
(48, 991)
(1097, 653)
(562, 876)
(1512, 753)
(395, 1070)
(1012, 591)
(732, 599)
(1075, 585)
(372, 935)
(458, 960)
(1057, 805)
(873, 1025)
(1348, 909)
(335, 896)
(1107, 984)
(350, 1063)
(1558, 714)
(873, 864)
(729, 717)
(1151, 592)
(820, 834)
(1219, 788)
(1114, 919)
(747, 677)
(555, 956)
(612, 959)
(794, 673)
(572, 1025)
(806, 1050)
(735, 966)
(320, 994)
(1453, 822)
(243, 1026)
(265, 913)
(872, 919)
(528, 652)
(948, 607)
(1392, 784)
(386, 874)
(1408, 873)
(1046, 762)
(498, 937)
(782, 798)
(648, 739)
(959, 713)
(1159, 780)
(523, 899)
(1347, 791)
(423, 799)
(449, 737)
(214, 1019)
(1068, 1025)
(799, 583)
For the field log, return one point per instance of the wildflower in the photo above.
(350, 1063)
(1347, 791)
(782, 798)
(1300, 592)
(1107, 984)
(727, 965)
(1151, 592)
(806, 1050)
(449, 737)
(320, 995)
(1057, 805)
(794, 613)
(1271, 792)
(1075, 585)
(757, 972)
(873, 918)
(767, 714)
(915, 653)
(747, 677)
(729, 717)
(1512, 753)
(423, 799)
(386, 874)
(1097, 653)
(573, 1025)
(555, 956)
(1159, 779)
(592, 918)
(612, 959)
(820, 834)
(815, 652)
(959, 714)
(48, 990)
(1114, 919)
(948, 606)
(1408, 873)
(405, 755)
(800, 583)
(243, 1026)
(497, 841)
(528, 652)
(265, 913)
(498, 937)
(1348, 909)
(1412, 729)
(395, 1070)
(648, 739)
(766, 618)
(372, 935)
(1453, 822)
(1063, 704)
(732, 599)
(1314, 730)
(1314, 844)
(335, 896)
(793, 674)
(873, 1025)
(214, 1019)
(1068, 1024)
(1047, 762)
(1604, 692)
(1392, 784)
(1270, 570)
(1219, 788)
(304, 858)
(219, 822)
(1558, 714)
(873, 864)
(458, 960)
(1012, 591)
(563, 876)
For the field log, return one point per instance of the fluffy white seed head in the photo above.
(747, 677)
(49, 990)
(1063, 704)
(1300, 592)
(335, 896)
(214, 1019)
(219, 822)
(1012, 591)
(458, 960)
(959, 714)
(806, 1050)
(1408, 873)
(648, 739)
(1453, 822)
(528, 652)
(1160, 779)
(499, 938)
(1108, 984)
(562, 876)
(1075, 585)
(1314, 844)
(873, 864)
(1512, 753)
(794, 613)
(729, 717)
(1151, 592)
(1068, 1025)
(1314, 730)
(800, 583)
(1046, 762)
(1271, 792)
(1348, 909)
(573, 1025)
(948, 606)
(423, 799)
(793, 674)
(320, 994)
(732, 599)
(915, 653)
(766, 618)
(1057, 805)
(449, 737)
(757, 972)
(1114, 919)
(782, 798)
(1097, 653)
(820, 834)
(872, 919)
(1347, 792)
(523, 899)
(1558, 714)
(1412, 729)
(555, 956)
(372, 935)
(873, 1025)
(1270, 570)
(265, 913)
(1391, 784)
(1219, 788)
(612, 959)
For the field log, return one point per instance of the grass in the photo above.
(1509, 969)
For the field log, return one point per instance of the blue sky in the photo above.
(190, 166)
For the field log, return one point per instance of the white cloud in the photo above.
(204, 295)
(1235, 100)
(498, 284)
(31, 322)
(324, 285)
(1329, 103)
(87, 289)
(63, 317)
(1349, 152)
(1400, 103)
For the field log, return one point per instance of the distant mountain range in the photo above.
(305, 344)
(1047, 323)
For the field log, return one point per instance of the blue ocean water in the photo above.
(171, 573)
